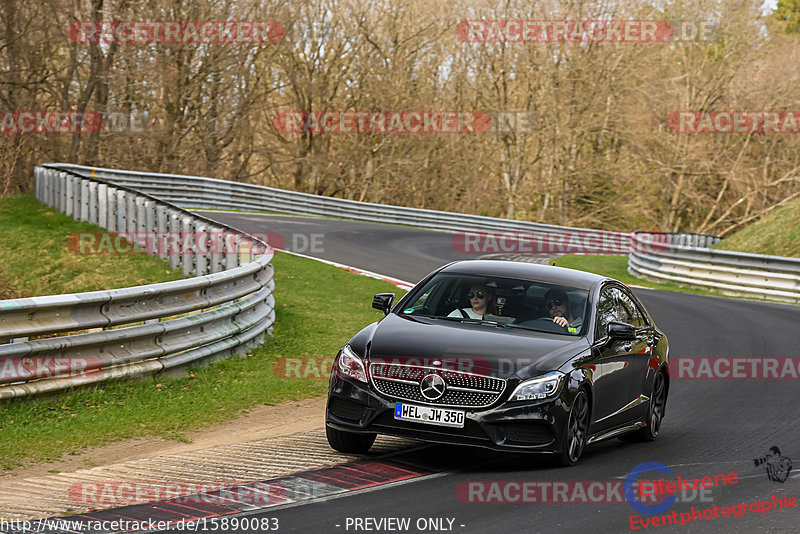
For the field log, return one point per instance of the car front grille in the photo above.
(462, 389)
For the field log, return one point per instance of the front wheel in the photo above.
(349, 442)
(575, 433)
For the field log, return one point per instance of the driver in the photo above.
(560, 310)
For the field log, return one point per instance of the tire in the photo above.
(575, 432)
(655, 412)
(349, 442)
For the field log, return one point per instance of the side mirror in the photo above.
(383, 302)
(618, 330)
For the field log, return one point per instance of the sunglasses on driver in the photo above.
(554, 302)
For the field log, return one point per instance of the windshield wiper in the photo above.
(470, 320)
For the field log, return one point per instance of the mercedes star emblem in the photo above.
(432, 387)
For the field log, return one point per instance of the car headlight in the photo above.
(540, 387)
(351, 365)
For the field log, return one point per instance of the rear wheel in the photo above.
(349, 442)
(655, 412)
(575, 433)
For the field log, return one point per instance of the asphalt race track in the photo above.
(711, 427)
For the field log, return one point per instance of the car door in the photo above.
(641, 360)
(613, 363)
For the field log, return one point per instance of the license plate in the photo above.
(429, 415)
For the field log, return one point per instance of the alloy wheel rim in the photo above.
(577, 427)
(657, 411)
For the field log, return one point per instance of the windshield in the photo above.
(506, 302)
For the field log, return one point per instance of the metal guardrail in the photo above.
(688, 258)
(690, 240)
(197, 192)
(228, 306)
(731, 273)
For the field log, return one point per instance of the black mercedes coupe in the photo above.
(505, 355)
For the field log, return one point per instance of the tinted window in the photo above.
(637, 318)
(624, 311)
(616, 305)
(606, 311)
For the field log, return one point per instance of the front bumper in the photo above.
(536, 426)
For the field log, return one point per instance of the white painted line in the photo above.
(402, 284)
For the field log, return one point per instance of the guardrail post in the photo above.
(150, 216)
(111, 209)
(43, 183)
(61, 184)
(216, 258)
(141, 215)
(52, 181)
(162, 238)
(174, 221)
(93, 205)
(52, 184)
(122, 211)
(37, 185)
(130, 212)
(102, 206)
(245, 247)
(187, 244)
(84, 200)
(202, 247)
(76, 198)
(70, 195)
(232, 250)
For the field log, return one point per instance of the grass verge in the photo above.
(777, 234)
(319, 307)
(35, 260)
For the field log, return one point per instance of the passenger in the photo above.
(482, 302)
(560, 311)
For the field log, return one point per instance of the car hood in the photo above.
(496, 351)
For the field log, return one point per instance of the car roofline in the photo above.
(516, 269)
